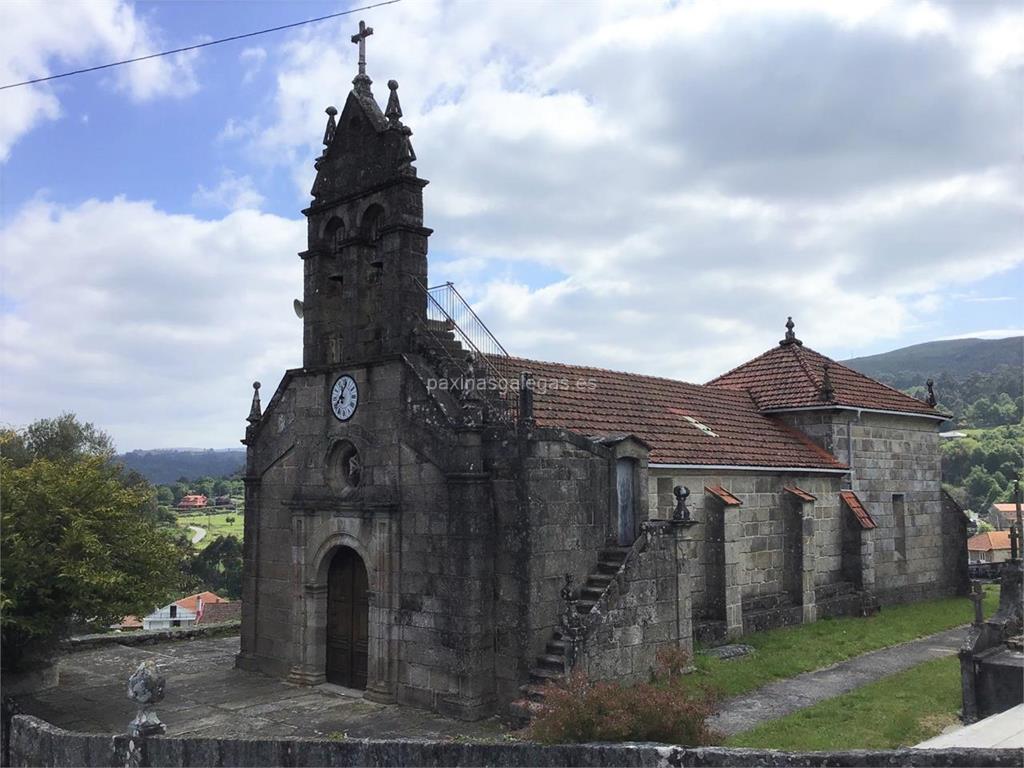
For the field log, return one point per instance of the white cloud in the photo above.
(252, 60)
(167, 320)
(231, 193)
(706, 168)
(39, 40)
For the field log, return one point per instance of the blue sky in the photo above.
(649, 186)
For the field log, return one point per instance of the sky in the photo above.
(647, 186)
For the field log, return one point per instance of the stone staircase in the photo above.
(550, 666)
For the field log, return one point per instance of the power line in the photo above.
(198, 45)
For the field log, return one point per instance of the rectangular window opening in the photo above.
(899, 522)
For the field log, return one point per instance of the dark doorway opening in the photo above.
(625, 471)
(348, 620)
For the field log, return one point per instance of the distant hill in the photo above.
(166, 466)
(958, 358)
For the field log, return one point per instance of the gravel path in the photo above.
(778, 699)
(198, 534)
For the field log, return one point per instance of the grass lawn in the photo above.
(897, 711)
(216, 524)
(782, 653)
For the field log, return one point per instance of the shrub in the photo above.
(666, 709)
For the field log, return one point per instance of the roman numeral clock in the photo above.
(344, 398)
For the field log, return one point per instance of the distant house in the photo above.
(1003, 515)
(192, 501)
(182, 613)
(224, 501)
(991, 547)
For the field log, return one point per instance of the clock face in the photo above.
(344, 397)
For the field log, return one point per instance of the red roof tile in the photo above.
(727, 498)
(790, 376)
(859, 512)
(800, 493)
(682, 423)
(191, 602)
(986, 542)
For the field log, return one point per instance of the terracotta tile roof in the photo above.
(214, 613)
(800, 493)
(859, 512)
(727, 498)
(682, 423)
(790, 376)
(986, 542)
(189, 603)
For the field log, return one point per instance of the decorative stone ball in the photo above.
(393, 85)
(146, 684)
(332, 111)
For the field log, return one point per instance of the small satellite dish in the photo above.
(297, 306)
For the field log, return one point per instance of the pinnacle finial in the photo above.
(394, 109)
(790, 335)
(332, 126)
(255, 413)
(932, 399)
(827, 391)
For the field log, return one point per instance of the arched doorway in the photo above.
(348, 620)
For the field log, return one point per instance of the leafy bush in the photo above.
(665, 709)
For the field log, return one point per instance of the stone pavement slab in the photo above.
(207, 696)
(782, 697)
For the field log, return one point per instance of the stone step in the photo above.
(772, 618)
(551, 661)
(533, 692)
(591, 593)
(617, 554)
(828, 591)
(556, 647)
(583, 605)
(442, 326)
(601, 580)
(541, 675)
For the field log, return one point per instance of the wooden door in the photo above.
(624, 486)
(348, 620)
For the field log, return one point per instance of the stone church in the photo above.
(441, 524)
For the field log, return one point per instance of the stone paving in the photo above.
(782, 697)
(207, 696)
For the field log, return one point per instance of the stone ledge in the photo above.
(150, 636)
(36, 742)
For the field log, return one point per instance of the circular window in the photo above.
(345, 467)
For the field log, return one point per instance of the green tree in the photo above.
(62, 438)
(219, 567)
(164, 495)
(74, 549)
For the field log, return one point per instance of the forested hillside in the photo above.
(979, 381)
(167, 466)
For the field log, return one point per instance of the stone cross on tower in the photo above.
(360, 38)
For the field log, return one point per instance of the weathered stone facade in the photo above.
(412, 535)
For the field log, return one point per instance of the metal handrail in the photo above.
(447, 305)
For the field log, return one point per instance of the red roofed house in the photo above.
(192, 501)
(991, 547)
(448, 526)
(181, 613)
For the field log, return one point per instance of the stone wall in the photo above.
(567, 483)
(894, 455)
(758, 542)
(642, 610)
(35, 742)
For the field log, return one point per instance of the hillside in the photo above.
(958, 358)
(166, 466)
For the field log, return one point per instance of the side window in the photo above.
(334, 233)
(899, 523)
(373, 220)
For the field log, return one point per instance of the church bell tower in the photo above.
(365, 267)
